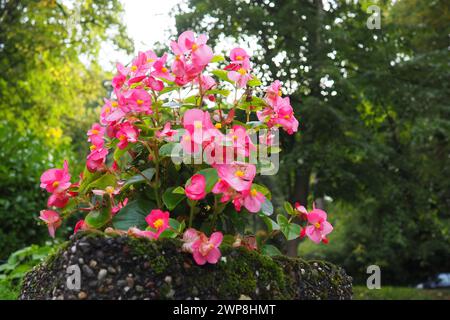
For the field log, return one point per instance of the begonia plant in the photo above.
(176, 154)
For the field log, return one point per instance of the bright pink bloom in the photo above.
(136, 232)
(253, 200)
(111, 112)
(95, 135)
(273, 91)
(154, 84)
(195, 190)
(56, 180)
(109, 190)
(319, 226)
(161, 70)
(190, 236)
(96, 159)
(240, 141)
(238, 175)
(127, 134)
(222, 187)
(119, 80)
(241, 77)
(239, 56)
(58, 200)
(138, 100)
(81, 225)
(201, 54)
(158, 221)
(52, 219)
(301, 210)
(206, 82)
(199, 130)
(207, 250)
(166, 133)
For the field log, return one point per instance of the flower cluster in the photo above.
(188, 105)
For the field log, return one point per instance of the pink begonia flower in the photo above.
(195, 190)
(280, 113)
(139, 65)
(190, 236)
(158, 220)
(206, 82)
(96, 159)
(137, 100)
(52, 219)
(119, 206)
(127, 134)
(58, 200)
(153, 83)
(240, 140)
(136, 232)
(166, 133)
(238, 175)
(319, 226)
(201, 54)
(253, 200)
(160, 70)
(56, 180)
(119, 80)
(81, 225)
(95, 135)
(199, 130)
(273, 91)
(111, 112)
(207, 250)
(109, 190)
(222, 187)
(241, 77)
(302, 210)
(239, 56)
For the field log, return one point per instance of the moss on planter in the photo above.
(128, 268)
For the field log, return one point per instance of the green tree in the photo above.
(50, 87)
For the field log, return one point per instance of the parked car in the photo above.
(441, 280)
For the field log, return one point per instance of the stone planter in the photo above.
(125, 268)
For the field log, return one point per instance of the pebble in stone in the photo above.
(111, 270)
(92, 263)
(130, 282)
(102, 274)
(80, 261)
(73, 249)
(88, 271)
(139, 288)
(168, 279)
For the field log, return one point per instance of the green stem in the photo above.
(191, 214)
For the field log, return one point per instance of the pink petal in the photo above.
(213, 256)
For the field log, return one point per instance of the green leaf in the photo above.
(267, 207)
(176, 225)
(178, 190)
(168, 89)
(222, 92)
(148, 173)
(101, 183)
(171, 199)
(88, 177)
(271, 225)
(270, 250)
(98, 218)
(218, 58)
(222, 75)
(289, 209)
(118, 153)
(211, 177)
(166, 149)
(254, 82)
(168, 233)
(290, 230)
(133, 215)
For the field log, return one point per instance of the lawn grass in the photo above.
(399, 293)
(8, 291)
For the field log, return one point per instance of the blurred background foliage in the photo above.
(373, 146)
(51, 86)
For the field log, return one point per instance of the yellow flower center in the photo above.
(158, 223)
(139, 102)
(93, 147)
(164, 69)
(114, 104)
(317, 225)
(187, 138)
(242, 71)
(133, 68)
(149, 60)
(95, 131)
(253, 192)
(107, 110)
(109, 190)
(198, 124)
(240, 58)
(55, 184)
(239, 174)
(122, 137)
(286, 116)
(218, 125)
(194, 47)
(177, 57)
(279, 93)
(235, 137)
